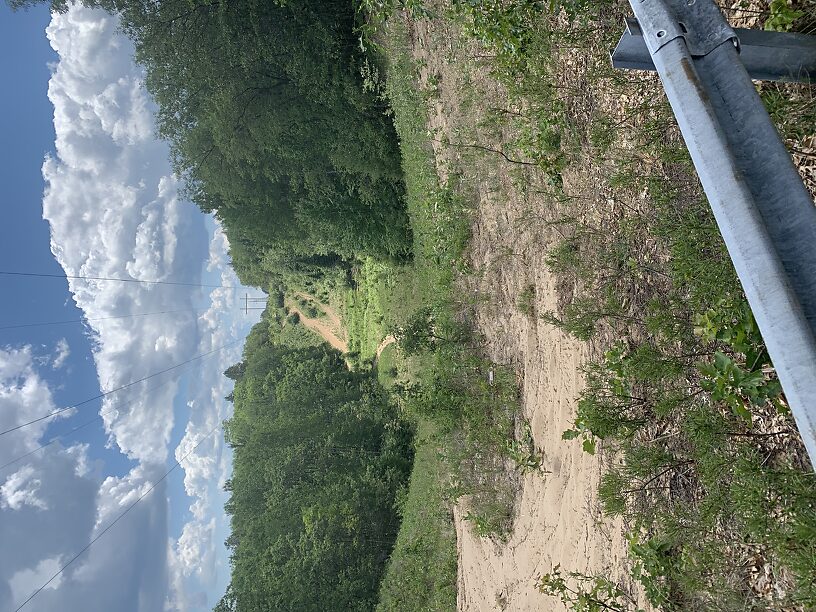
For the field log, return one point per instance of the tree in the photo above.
(318, 456)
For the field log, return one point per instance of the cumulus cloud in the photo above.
(21, 489)
(47, 502)
(24, 397)
(53, 504)
(126, 569)
(113, 205)
(199, 551)
(63, 351)
(26, 581)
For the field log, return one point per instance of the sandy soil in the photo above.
(558, 520)
(332, 331)
(324, 330)
(331, 314)
(388, 340)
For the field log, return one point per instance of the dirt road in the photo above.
(334, 332)
(558, 520)
(388, 340)
(324, 330)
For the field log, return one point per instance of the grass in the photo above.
(451, 375)
(362, 313)
(282, 330)
(421, 574)
(710, 475)
(464, 421)
(388, 366)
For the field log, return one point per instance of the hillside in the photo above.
(541, 385)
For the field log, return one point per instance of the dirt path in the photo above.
(335, 333)
(330, 312)
(388, 340)
(558, 519)
(318, 326)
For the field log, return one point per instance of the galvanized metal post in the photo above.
(767, 56)
(764, 212)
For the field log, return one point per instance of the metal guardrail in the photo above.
(766, 56)
(765, 214)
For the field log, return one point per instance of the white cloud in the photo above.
(47, 502)
(21, 489)
(196, 548)
(26, 581)
(114, 209)
(200, 551)
(113, 206)
(24, 397)
(63, 352)
(219, 249)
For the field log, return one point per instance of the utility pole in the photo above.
(253, 300)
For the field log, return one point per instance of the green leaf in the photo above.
(742, 412)
(589, 446)
(722, 361)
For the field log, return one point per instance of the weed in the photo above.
(480, 523)
(526, 301)
(523, 452)
(652, 562)
(782, 16)
(585, 593)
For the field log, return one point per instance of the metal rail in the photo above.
(765, 214)
(766, 56)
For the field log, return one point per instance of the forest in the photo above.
(548, 354)
(272, 129)
(319, 455)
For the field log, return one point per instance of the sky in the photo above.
(89, 191)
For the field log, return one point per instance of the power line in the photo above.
(118, 280)
(141, 314)
(120, 388)
(117, 519)
(79, 427)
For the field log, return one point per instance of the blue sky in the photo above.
(27, 136)
(88, 190)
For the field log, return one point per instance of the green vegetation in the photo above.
(302, 126)
(319, 457)
(465, 423)
(264, 106)
(388, 366)
(362, 312)
(684, 395)
(709, 471)
(584, 593)
(421, 574)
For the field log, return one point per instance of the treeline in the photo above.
(264, 105)
(319, 454)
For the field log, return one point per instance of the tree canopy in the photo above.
(319, 454)
(265, 109)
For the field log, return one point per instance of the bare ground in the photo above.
(332, 331)
(329, 332)
(331, 314)
(387, 341)
(558, 518)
